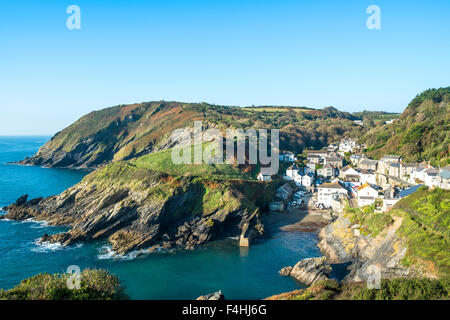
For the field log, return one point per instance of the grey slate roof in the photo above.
(408, 191)
(445, 174)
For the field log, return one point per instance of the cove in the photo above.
(241, 273)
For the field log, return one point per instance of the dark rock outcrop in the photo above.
(308, 271)
(22, 200)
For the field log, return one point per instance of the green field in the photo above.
(162, 162)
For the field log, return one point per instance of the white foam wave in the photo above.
(29, 220)
(39, 224)
(106, 252)
(45, 246)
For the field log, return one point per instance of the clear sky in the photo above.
(246, 52)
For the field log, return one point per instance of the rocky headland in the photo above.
(140, 209)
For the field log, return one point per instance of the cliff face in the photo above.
(137, 208)
(341, 243)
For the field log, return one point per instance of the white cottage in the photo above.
(292, 172)
(329, 191)
(366, 195)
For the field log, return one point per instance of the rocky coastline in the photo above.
(149, 211)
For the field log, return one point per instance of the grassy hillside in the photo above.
(162, 161)
(421, 133)
(425, 227)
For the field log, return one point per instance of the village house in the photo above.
(368, 164)
(430, 176)
(389, 199)
(292, 172)
(444, 178)
(391, 158)
(394, 169)
(307, 180)
(310, 168)
(284, 192)
(287, 156)
(355, 158)
(334, 161)
(332, 147)
(407, 169)
(383, 167)
(264, 177)
(347, 171)
(417, 175)
(320, 153)
(327, 171)
(329, 191)
(298, 180)
(347, 145)
(313, 158)
(389, 165)
(367, 176)
(366, 195)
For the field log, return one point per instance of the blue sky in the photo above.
(247, 52)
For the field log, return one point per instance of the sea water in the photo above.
(241, 273)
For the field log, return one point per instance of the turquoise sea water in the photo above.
(240, 273)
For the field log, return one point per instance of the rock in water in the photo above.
(22, 200)
(286, 271)
(212, 296)
(308, 271)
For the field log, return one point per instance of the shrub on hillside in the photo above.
(95, 285)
